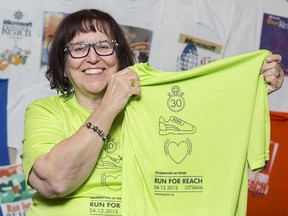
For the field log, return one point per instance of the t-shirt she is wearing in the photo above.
(47, 122)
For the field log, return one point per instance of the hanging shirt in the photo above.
(267, 189)
(140, 28)
(4, 156)
(19, 62)
(192, 41)
(190, 137)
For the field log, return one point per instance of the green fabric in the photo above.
(190, 138)
(51, 120)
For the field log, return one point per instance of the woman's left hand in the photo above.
(273, 72)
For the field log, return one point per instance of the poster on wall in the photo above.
(268, 190)
(274, 37)
(51, 21)
(139, 40)
(15, 197)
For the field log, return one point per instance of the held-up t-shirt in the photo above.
(189, 139)
(47, 122)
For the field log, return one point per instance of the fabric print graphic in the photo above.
(175, 126)
(178, 151)
(274, 36)
(176, 101)
(258, 182)
(196, 52)
(14, 195)
(188, 58)
(109, 181)
(17, 30)
(16, 57)
(139, 40)
(51, 21)
(109, 159)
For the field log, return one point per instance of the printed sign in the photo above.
(274, 37)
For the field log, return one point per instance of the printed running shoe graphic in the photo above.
(175, 125)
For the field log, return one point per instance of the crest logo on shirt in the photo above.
(176, 101)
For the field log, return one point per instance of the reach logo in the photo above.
(14, 29)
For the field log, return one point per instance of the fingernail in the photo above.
(268, 58)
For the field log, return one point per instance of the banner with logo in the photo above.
(274, 37)
(15, 198)
(267, 189)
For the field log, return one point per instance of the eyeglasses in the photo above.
(82, 49)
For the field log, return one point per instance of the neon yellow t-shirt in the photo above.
(47, 122)
(190, 137)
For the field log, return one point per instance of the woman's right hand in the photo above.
(121, 86)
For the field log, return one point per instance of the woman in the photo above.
(67, 156)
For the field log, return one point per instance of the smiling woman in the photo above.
(88, 64)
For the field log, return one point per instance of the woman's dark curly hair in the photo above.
(83, 21)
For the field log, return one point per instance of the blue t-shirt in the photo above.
(4, 155)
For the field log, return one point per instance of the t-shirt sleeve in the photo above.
(258, 150)
(43, 129)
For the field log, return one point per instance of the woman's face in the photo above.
(89, 75)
